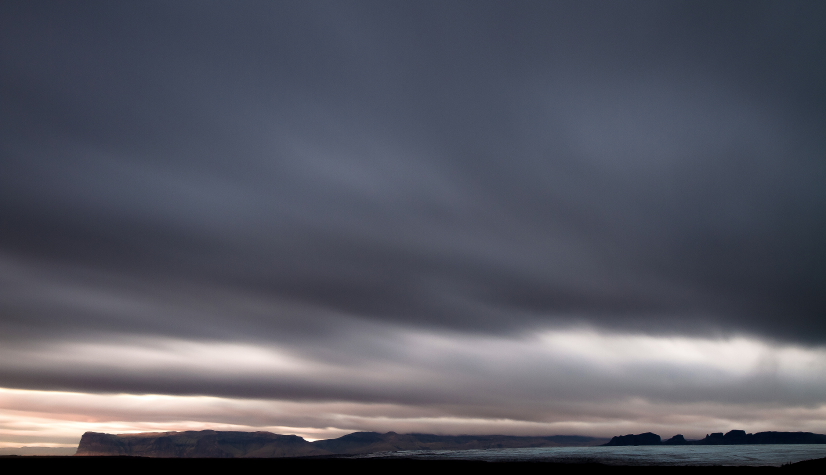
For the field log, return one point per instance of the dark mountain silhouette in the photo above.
(676, 440)
(647, 438)
(734, 437)
(229, 444)
(196, 444)
(218, 444)
(739, 437)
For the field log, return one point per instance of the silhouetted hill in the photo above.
(739, 437)
(215, 444)
(676, 440)
(734, 437)
(647, 438)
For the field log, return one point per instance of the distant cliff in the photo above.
(219, 444)
(734, 437)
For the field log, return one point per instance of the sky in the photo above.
(313, 218)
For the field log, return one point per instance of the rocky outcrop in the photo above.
(215, 444)
(734, 437)
(647, 438)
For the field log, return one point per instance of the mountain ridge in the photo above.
(233, 444)
(733, 437)
(261, 444)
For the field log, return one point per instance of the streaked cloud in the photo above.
(450, 217)
(574, 380)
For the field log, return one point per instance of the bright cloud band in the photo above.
(561, 381)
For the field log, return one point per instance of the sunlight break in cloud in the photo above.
(432, 383)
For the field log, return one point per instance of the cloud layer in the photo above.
(574, 381)
(390, 203)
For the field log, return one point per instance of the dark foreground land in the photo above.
(13, 464)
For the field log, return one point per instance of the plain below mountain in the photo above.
(219, 444)
(368, 442)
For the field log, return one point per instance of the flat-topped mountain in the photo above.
(197, 444)
(228, 444)
(734, 437)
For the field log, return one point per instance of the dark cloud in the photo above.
(482, 167)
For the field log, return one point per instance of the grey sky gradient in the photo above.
(329, 178)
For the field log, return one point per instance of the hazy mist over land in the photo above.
(526, 218)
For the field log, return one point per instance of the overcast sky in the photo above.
(455, 217)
